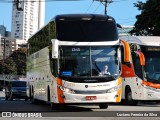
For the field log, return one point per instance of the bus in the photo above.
(141, 76)
(66, 59)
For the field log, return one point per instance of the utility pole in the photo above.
(4, 47)
(105, 3)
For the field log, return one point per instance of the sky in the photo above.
(123, 11)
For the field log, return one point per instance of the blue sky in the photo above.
(122, 10)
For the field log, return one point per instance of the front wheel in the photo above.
(55, 106)
(103, 105)
(26, 99)
(129, 99)
(6, 98)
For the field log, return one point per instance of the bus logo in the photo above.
(86, 86)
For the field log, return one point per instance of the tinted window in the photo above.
(18, 84)
(152, 59)
(86, 30)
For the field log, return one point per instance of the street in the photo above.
(114, 110)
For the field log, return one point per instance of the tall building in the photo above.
(27, 22)
(3, 31)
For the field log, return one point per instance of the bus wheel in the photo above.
(26, 99)
(129, 99)
(11, 98)
(103, 105)
(34, 101)
(6, 98)
(55, 106)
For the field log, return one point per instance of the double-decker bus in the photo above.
(141, 76)
(67, 57)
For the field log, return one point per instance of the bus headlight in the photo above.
(64, 89)
(113, 89)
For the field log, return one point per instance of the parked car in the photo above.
(16, 89)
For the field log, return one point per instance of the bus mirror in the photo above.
(54, 48)
(119, 26)
(141, 57)
(127, 52)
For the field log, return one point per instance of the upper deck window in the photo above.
(86, 28)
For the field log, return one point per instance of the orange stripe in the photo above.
(60, 92)
(150, 84)
(119, 92)
(127, 52)
(142, 58)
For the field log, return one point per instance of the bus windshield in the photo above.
(18, 84)
(86, 30)
(152, 67)
(89, 61)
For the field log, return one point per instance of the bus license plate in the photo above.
(91, 97)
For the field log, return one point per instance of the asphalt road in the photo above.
(24, 109)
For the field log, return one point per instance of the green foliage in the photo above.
(15, 63)
(148, 22)
(9, 67)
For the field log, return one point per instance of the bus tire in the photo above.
(129, 99)
(26, 99)
(55, 106)
(6, 98)
(123, 102)
(103, 105)
(11, 98)
(34, 101)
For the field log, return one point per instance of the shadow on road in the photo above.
(20, 105)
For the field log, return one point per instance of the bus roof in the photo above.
(77, 17)
(98, 17)
(142, 40)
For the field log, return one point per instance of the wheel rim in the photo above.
(129, 96)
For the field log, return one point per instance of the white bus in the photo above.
(66, 59)
(141, 77)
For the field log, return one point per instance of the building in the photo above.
(29, 20)
(124, 31)
(3, 31)
(8, 45)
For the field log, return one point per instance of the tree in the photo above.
(148, 22)
(9, 67)
(15, 63)
(19, 58)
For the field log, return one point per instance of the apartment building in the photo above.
(26, 22)
(8, 45)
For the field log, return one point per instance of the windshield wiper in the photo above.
(112, 76)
